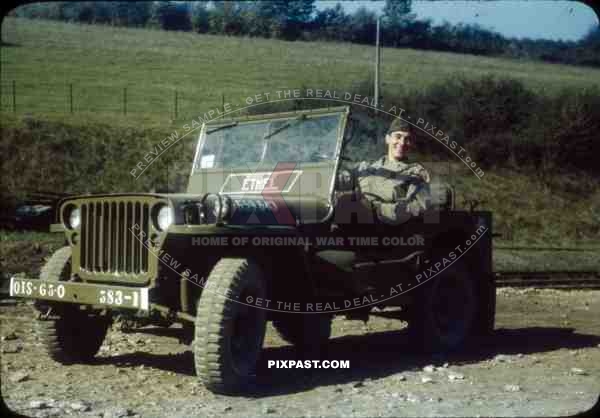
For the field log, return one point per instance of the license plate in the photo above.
(82, 293)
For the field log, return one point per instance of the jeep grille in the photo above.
(107, 243)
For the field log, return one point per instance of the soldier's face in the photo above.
(399, 144)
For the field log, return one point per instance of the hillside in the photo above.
(44, 57)
(78, 157)
(94, 149)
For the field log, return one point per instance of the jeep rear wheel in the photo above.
(444, 314)
(68, 333)
(229, 334)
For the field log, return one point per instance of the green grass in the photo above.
(505, 260)
(526, 212)
(26, 251)
(45, 57)
(25, 236)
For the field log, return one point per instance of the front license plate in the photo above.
(82, 293)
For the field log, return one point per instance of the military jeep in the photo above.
(271, 228)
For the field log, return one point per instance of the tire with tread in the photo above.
(423, 325)
(218, 328)
(69, 334)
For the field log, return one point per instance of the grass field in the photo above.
(43, 58)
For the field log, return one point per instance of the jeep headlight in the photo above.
(219, 207)
(164, 217)
(73, 217)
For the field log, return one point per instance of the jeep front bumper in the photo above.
(120, 297)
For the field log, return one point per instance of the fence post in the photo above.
(124, 100)
(14, 91)
(71, 97)
(176, 104)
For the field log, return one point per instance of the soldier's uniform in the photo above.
(397, 190)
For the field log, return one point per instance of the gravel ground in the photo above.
(543, 360)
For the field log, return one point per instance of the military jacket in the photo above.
(396, 189)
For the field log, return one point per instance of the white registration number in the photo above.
(80, 293)
(27, 288)
(111, 297)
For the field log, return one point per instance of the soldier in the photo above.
(395, 188)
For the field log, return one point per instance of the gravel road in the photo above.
(543, 360)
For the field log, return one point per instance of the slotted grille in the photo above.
(111, 236)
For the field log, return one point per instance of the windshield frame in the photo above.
(342, 111)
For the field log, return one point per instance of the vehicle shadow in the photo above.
(180, 363)
(372, 356)
(381, 354)
(171, 331)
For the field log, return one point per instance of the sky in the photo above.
(535, 19)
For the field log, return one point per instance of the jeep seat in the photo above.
(442, 196)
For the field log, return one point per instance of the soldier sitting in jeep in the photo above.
(396, 189)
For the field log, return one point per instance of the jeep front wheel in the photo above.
(68, 333)
(229, 333)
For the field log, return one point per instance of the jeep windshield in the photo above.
(287, 153)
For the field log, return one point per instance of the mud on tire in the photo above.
(68, 333)
(229, 335)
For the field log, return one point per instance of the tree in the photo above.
(397, 17)
(363, 26)
(397, 11)
(226, 18)
(132, 13)
(332, 24)
(173, 16)
(105, 12)
(39, 11)
(200, 17)
(287, 19)
(68, 11)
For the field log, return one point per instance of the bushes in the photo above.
(70, 158)
(498, 122)
(501, 123)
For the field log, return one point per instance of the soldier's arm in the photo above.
(418, 196)
(360, 172)
(416, 201)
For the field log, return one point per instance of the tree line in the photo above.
(299, 20)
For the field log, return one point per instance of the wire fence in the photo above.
(19, 96)
(33, 97)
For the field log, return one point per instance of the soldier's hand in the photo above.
(394, 213)
(420, 172)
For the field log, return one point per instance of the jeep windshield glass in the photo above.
(267, 142)
(302, 143)
(231, 125)
(284, 127)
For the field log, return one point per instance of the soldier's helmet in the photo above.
(399, 125)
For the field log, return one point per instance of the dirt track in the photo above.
(544, 359)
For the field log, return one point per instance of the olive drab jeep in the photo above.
(269, 229)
